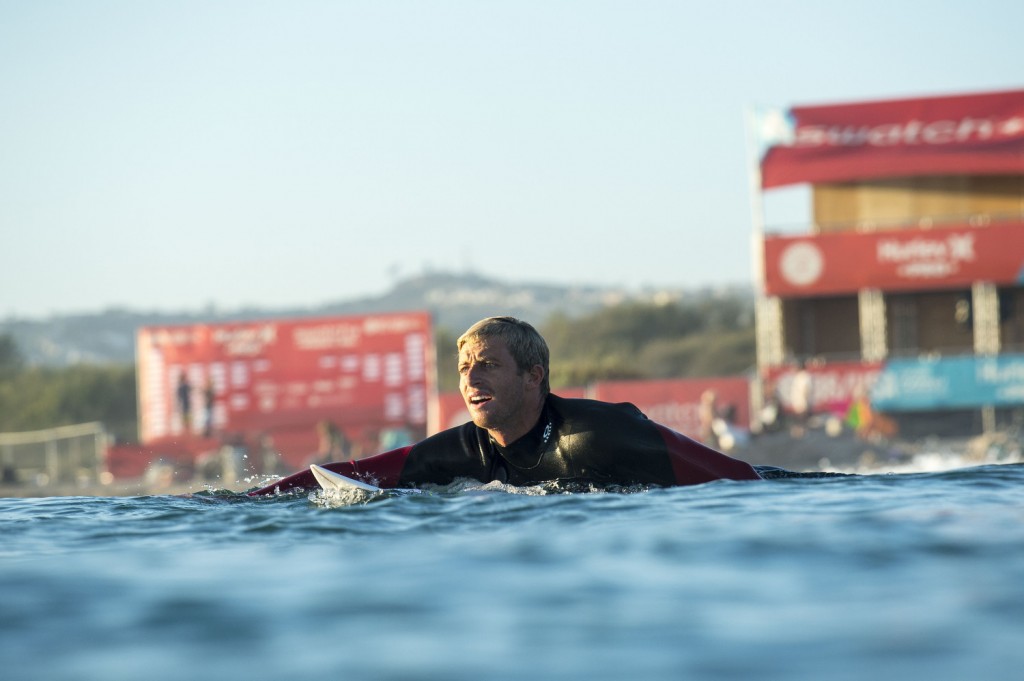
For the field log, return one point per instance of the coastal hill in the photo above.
(454, 300)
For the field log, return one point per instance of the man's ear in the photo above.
(536, 374)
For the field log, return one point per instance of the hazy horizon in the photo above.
(176, 155)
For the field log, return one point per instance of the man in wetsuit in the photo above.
(523, 435)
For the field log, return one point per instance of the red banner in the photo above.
(363, 372)
(832, 386)
(957, 135)
(676, 402)
(845, 262)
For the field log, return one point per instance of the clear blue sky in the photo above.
(170, 155)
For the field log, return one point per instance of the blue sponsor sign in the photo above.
(949, 383)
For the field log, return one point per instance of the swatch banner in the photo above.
(955, 135)
(250, 377)
(950, 383)
(845, 262)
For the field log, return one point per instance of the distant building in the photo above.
(908, 283)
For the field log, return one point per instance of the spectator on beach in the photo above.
(800, 400)
(522, 434)
(707, 414)
(769, 418)
(332, 444)
(184, 395)
(865, 421)
(729, 435)
(267, 456)
(209, 397)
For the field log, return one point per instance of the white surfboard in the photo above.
(336, 482)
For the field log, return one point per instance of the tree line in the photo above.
(706, 337)
(34, 397)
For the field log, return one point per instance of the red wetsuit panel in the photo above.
(694, 463)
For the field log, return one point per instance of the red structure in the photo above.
(909, 276)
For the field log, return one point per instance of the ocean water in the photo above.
(907, 576)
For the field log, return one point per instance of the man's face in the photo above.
(494, 389)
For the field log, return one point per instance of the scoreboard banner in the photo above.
(370, 371)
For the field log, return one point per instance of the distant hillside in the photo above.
(454, 300)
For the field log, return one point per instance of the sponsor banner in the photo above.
(676, 402)
(451, 409)
(362, 372)
(845, 262)
(954, 135)
(833, 386)
(950, 383)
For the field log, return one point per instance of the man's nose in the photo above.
(471, 373)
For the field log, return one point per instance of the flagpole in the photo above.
(753, 142)
(756, 198)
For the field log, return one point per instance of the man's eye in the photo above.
(482, 364)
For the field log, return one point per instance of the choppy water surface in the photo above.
(911, 576)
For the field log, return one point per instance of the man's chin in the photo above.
(483, 419)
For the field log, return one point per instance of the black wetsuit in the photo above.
(575, 441)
